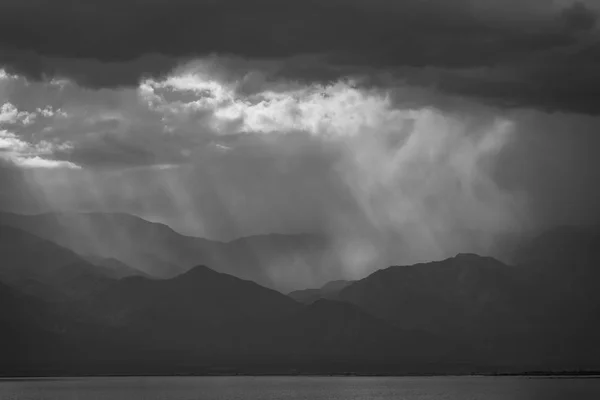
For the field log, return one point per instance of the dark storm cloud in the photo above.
(90, 72)
(550, 50)
(578, 17)
(563, 80)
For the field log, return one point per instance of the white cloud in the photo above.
(50, 112)
(11, 143)
(340, 109)
(9, 114)
(5, 75)
(22, 153)
(39, 162)
(25, 154)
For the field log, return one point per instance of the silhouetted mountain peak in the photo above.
(471, 260)
(468, 257)
(201, 274)
(197, 272)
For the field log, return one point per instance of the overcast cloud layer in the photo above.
(542, 53)
(417, 129)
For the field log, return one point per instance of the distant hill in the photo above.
(201, 312)
(454, 293)
(207, 319)
(465, 314)
(159, 251)
(40, 267)
(510, 315)
(200, 297)
(328, 291)
(114, 268)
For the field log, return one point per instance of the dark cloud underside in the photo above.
(534, 53)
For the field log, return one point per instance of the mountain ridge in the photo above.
(466, 313)
(158, 250)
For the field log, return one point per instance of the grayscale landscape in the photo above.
(286, 199)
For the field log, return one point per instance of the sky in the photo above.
(430, 126)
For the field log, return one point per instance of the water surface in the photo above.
(301, 388)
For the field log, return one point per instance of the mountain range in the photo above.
(62, 313)
(158, 251)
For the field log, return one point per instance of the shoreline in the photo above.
(540, 375)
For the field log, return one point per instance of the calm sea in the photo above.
(305, 388)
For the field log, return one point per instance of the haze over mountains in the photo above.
(159, 251)
(62, 313)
